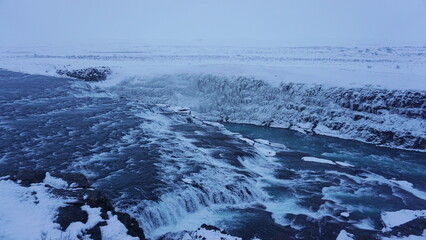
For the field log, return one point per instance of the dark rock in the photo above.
(70, 214)
(267, 123)
(419, 143)
(210, 227)
(98, 199)
(329, 228)
(299, 221)
(131, 224)
(358, 117)
(173, 236)
(29, 176)
(77, 178)
(414, 227)
(95, 232)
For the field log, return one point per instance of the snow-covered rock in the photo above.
(318, 160)
(205, 232)
(51, 208)
(344, 214)
(90, 74)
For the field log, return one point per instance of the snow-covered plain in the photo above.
(385, 67)
(371, 94)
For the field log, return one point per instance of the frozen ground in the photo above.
(372, 94)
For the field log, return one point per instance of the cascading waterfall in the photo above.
(173, 206)
(376, 115)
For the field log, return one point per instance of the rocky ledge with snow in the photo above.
(43, 205)
(57, 206)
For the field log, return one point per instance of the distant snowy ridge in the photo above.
(392, 118)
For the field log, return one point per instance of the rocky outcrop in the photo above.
(88, 74)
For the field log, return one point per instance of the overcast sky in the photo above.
(214, 22)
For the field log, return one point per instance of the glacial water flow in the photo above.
(174, 172)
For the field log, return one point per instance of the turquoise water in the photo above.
(393, 163)
(308, 190)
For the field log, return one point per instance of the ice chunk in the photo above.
(343, 235)
(262, 141)
(318, 160)
(393, 219)
(344, 214)
(344, 164)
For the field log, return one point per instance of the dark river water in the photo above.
(173, 172)
(364, 191)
